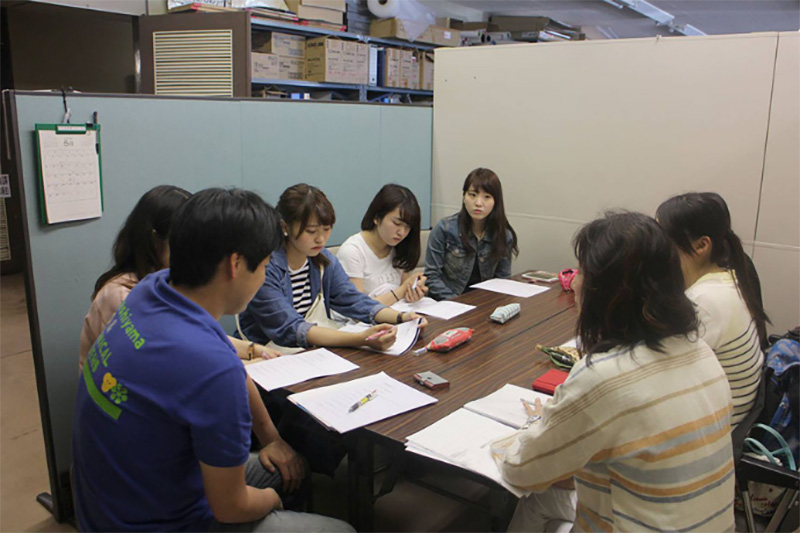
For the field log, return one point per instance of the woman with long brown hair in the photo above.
(474, 244)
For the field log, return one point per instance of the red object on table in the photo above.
(548, 382)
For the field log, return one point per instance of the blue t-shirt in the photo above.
(161, 390)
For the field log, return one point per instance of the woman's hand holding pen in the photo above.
(380, 337)
(413, 288)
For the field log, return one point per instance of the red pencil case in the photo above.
(548, 382)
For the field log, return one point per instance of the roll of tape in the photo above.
(384, 9)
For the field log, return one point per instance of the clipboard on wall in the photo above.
(70, 177)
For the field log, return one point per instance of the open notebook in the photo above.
(463, 438)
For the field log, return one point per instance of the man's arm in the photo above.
(275, 452)
(231, 500)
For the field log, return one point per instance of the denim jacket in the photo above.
(270, 315)
(448, 264)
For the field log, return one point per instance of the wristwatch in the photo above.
(251, 351)
(399, 318)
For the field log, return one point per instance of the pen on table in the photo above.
(363, 400)
(381, 333)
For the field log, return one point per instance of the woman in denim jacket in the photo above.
(473, 245)
(278, 311)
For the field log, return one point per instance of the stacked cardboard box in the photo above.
(425, 64)
(331, 11)
(399, 68)
(395, 29)
(334, 60)
(278, 56)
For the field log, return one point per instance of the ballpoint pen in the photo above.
(381, 333)
(363, 400)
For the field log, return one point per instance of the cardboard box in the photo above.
(425, 64)
(390, 71)
(407, 69)
(476, 26)
(291, 68)
(264, 66)
(414, 77)
(305, 11)
(355, 62)
(394, 29)
(333, 60)
(449, 22)
(336, 5)
(282, 44)
(445, 36)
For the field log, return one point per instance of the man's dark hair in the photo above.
(215, 223)
(632, 284)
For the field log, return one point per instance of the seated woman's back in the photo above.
(722, 283)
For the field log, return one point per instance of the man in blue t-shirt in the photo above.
(161, 431)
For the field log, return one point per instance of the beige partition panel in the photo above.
(777, 246)
(573, 129)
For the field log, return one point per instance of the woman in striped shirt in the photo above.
(722, 283)
(642, 424)
(296, 274)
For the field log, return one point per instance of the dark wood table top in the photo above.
(497, 354)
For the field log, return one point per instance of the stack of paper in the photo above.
(505, 406)
(462, 438)
(514, 288)
(407, 334)
(428, 306)
(290, 369)
(331, 405)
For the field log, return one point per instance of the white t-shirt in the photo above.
(359, 261)
(728, 328)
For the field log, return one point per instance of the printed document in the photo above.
(331, 405)
(428, 306)
(288, 370)
(508, 286)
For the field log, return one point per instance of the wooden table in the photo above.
(497, 354)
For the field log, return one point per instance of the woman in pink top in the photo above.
(141, 247)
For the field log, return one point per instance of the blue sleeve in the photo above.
(434, 263)
(217, 413)
(274, 316)
(343, 297)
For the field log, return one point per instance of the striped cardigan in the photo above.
(728, 328)
(646, 436)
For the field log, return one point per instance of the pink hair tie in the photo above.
(565, 277)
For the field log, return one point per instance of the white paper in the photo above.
(428, 306)
(331, 405)
(70, 175)
(407, 334)
(508, 286)
(463, 438)
(291, 369)
(504, 405)
(572, 343)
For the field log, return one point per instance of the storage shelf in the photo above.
(398, 90)
(306, 84)
(257, 23)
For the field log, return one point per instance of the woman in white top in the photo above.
(723, 284)
(380, 259)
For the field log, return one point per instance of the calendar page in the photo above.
(70, 172)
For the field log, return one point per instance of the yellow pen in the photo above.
(363, 400)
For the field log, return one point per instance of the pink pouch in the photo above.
(565, 277)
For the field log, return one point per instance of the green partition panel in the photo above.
(348, 150)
